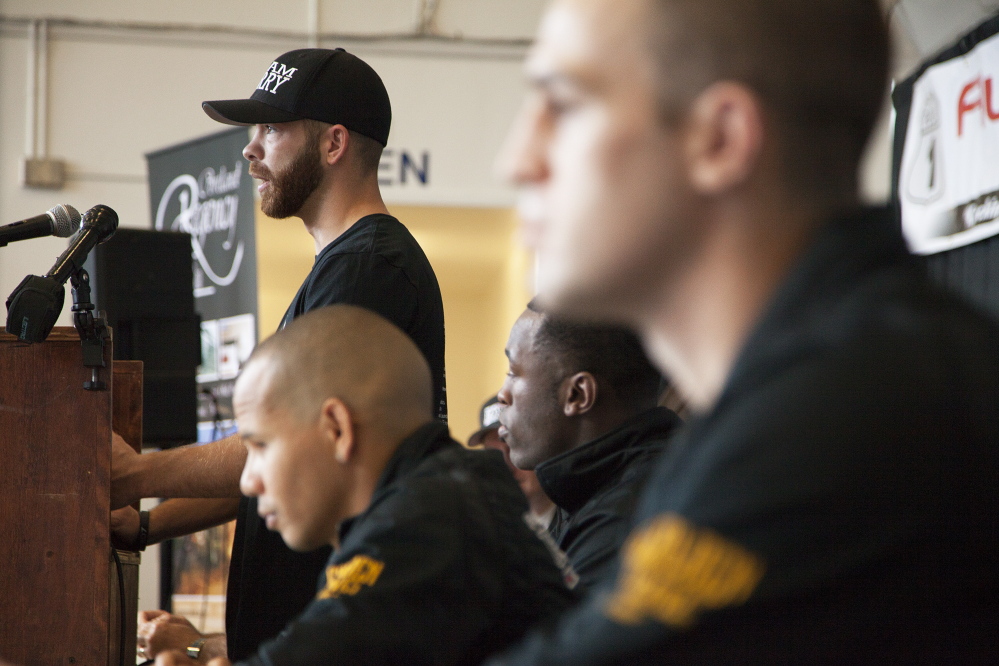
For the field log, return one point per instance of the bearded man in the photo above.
(320, 121)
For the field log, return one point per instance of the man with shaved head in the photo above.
(433, 561)
(689, 168)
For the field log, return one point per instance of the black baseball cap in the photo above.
(332, 86)
(488, 420)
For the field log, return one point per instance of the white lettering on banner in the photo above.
(203, 217)
(213, 184)
(948, 182)
(985, 209)
(275, 76)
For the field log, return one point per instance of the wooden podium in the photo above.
(59, 591)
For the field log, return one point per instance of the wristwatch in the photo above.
(194, 649)
(142, 537)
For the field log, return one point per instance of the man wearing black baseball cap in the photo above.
(320, 120)
(331, 86)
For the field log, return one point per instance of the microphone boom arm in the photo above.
(93, 330)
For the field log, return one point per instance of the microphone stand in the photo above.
(93, 330)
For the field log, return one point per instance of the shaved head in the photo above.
(322, 406)
(348, 353)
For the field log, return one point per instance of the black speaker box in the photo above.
(143, 280)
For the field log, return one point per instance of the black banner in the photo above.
(202, 187)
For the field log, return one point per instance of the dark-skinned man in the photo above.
(542, 509)
(689, 168)
(433, 561)
(320, 119)
(579, 408)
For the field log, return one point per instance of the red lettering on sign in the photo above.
(964, 106)
(982, 102)
(993, 115)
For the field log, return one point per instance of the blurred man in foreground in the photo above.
(433, 562)
(579, 409)
(689, 167)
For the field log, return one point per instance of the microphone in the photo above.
(34, 306)
(99, 224)
(62, 221)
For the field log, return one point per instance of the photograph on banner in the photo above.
(200, 570)
(225, 345)
(208, 371)
(948, 184)
(202, 187)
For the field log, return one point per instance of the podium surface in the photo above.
(55, 552)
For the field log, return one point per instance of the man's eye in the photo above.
(559, 106)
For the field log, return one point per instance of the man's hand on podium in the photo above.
(124, 466)
(124, 527)
(191, 472)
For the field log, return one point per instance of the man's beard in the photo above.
(290, 188)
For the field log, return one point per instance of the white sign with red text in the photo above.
(949, 178)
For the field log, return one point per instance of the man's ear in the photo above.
(580, 394)
(334, 143)
(338, 427)
(725, 130)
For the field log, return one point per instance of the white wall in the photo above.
(931, 25)
(125, 78)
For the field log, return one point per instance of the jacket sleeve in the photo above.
(595, 543)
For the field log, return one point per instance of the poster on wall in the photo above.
(946, 166)
(202, 187)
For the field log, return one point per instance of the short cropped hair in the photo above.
(820, 67)
(612, 354)
(367, 152)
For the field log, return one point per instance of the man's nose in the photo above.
(253, 150)
(523, 156)
(503, 396)
(249, 480)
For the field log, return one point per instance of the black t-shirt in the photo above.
(378, 265)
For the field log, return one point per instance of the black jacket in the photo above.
(838, 503)
(441, 569)
(596, 486)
